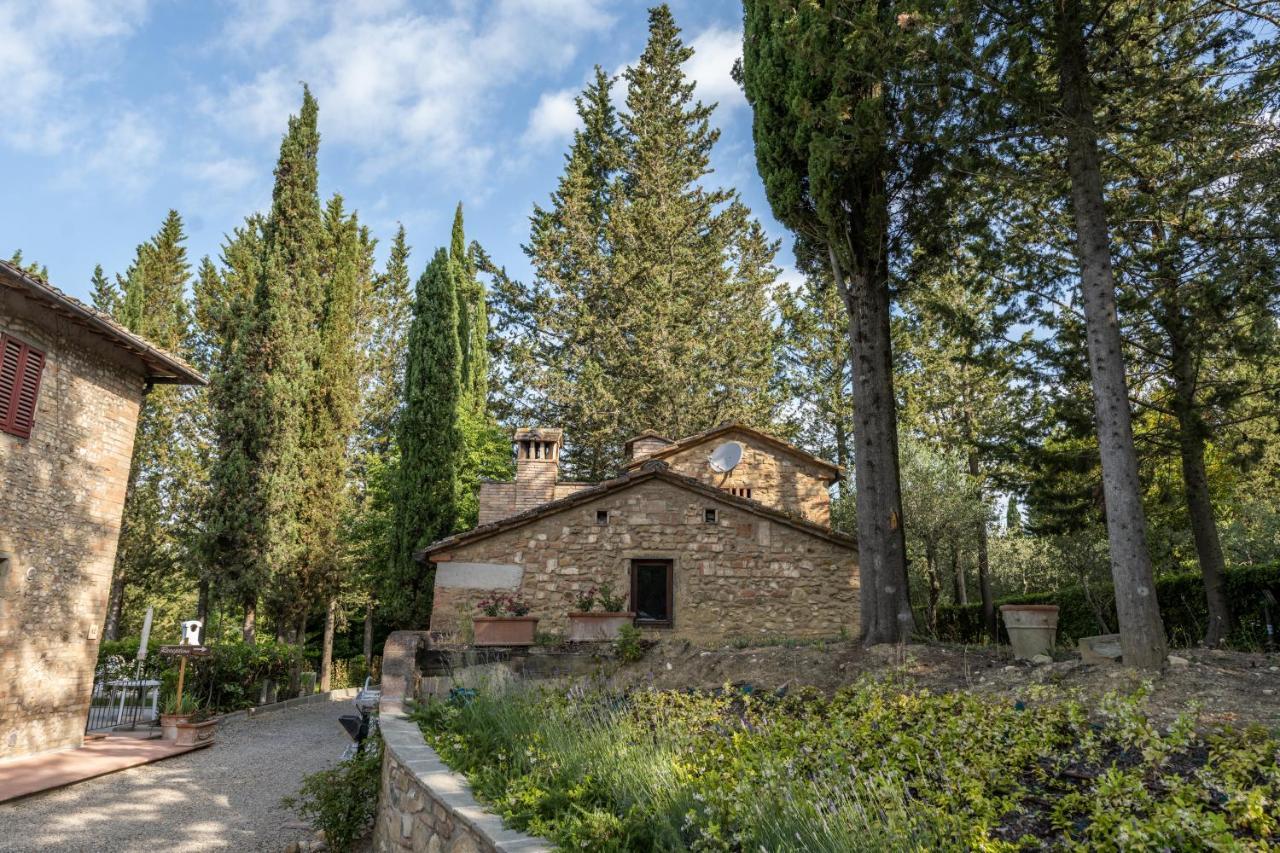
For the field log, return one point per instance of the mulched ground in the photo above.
(1230, 687)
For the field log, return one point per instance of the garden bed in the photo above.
(875, 766)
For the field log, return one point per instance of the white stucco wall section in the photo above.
(479, 575)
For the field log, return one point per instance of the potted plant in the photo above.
(196, 730)
(505, 621)
(587, 625)
(175, 710)
(1031, 627)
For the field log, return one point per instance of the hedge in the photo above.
(1182, 604)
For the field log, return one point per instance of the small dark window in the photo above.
(740, 491)
(652, 592)
(602, 516)
(709, 516)
(20, 370)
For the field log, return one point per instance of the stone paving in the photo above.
(226, 797)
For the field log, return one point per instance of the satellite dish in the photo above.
(725, 457)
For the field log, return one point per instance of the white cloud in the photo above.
(254, 23)
(124, 155)
(225, 174)
(711, 66)
(405, 87)
(554, 118)
(47, 49)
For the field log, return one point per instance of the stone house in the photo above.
(721, 535)
(71, 385)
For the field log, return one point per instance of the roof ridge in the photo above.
(106, 323)
(727, 426)
(651, 469)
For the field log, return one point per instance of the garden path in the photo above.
(226, 797)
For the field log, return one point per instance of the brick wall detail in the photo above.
(63, 497)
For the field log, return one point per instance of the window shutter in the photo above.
(20, 371)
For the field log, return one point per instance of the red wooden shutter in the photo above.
(20, 371)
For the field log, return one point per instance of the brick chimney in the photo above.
(537, 464)
(645, 445)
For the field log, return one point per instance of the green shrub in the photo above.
(872, 768)
(342, 801)
(228, 680)
(1182, 605)
(628, 646)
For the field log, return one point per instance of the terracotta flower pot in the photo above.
(196, 734)
(169, 724)
(505, 630)
(1031, 627)
(597, 627)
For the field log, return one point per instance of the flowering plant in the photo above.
(585, 600)
(609, 602)
(499, 605)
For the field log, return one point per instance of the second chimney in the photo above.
(537, 464)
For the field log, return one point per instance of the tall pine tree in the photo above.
(650, 304)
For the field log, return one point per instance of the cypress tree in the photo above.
(368, 527)
(224, 305)
(279, 361)
(104, 296)
(154, 305)
(430, 442)
(346, 275)
(390, 311)
(486, 447)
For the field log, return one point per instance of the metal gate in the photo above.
(123, 697)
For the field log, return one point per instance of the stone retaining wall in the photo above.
(425, 806)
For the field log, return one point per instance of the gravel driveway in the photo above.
(226, 797)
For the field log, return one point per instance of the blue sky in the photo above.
(115, 111)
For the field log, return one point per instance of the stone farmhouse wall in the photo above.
(775, 477)
(61, 498)
(742, 576)
(424, 806)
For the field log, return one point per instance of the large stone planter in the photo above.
(195, 734)
(505, 630)
(597, 627)
(1031, 627)
(169, 724)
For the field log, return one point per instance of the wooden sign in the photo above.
(186, 651)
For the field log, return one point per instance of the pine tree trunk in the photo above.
(202, 608)
(368, 638)
(299, 639)
(935, 587)
(1195, 482)
(984, 567)
(202, 601)
(885, 607)
(249, 630)
(1142, 637)
(326, 649)
(115, 607)
(957, 574)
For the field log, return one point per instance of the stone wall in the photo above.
(775, 477)
(424, 806)
(63, 494)
(744, 575)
